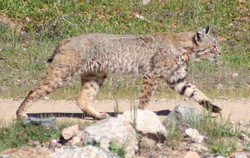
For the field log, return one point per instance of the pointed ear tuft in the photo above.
(200, 33)
(207, 29)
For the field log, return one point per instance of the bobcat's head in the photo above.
(206, 45)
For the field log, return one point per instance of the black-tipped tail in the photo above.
(50, 60)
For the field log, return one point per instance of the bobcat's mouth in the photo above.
(207, 57)
(214, 57)
(211, 58)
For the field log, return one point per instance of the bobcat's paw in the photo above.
(21, 116)
(210, 107)
(102, 116)
(216, 109)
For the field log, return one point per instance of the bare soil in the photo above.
(238, 109)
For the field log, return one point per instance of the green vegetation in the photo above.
(115, 149)
(19, 134)
(221, 137)
(30, 30)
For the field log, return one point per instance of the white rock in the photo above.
(147, 123)
(70, 132)
(116, 130)
(194, 135)
(240, 155)
(84, 152)
(45, 98)
(198, 147)
(235, 75)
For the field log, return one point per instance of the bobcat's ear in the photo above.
(200, 34)
(207, 29)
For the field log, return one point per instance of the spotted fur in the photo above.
(158, 56)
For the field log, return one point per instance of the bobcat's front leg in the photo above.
(189, 90)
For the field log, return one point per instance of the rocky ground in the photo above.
(238, 109)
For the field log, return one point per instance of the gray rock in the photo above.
(182, 116)
(198, 148)
(84, 152)
(110, 131)
(147, 143)
(46, 122)
(146, 123)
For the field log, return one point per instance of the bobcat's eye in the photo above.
(215, 47)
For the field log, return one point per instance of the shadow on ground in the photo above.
(82, 115)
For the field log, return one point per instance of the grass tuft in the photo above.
(221, 137)
(20, 134)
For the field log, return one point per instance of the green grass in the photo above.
(115, 149)
(19, 134)
(23, 52)
(221, 137)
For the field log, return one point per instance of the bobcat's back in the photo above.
(112, 53)
(116, 53)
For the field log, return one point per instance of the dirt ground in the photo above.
(239, 109)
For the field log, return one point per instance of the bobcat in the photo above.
(157, 56)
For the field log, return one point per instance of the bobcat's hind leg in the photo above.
(91, 84)
(148, 87)
(53, 79)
